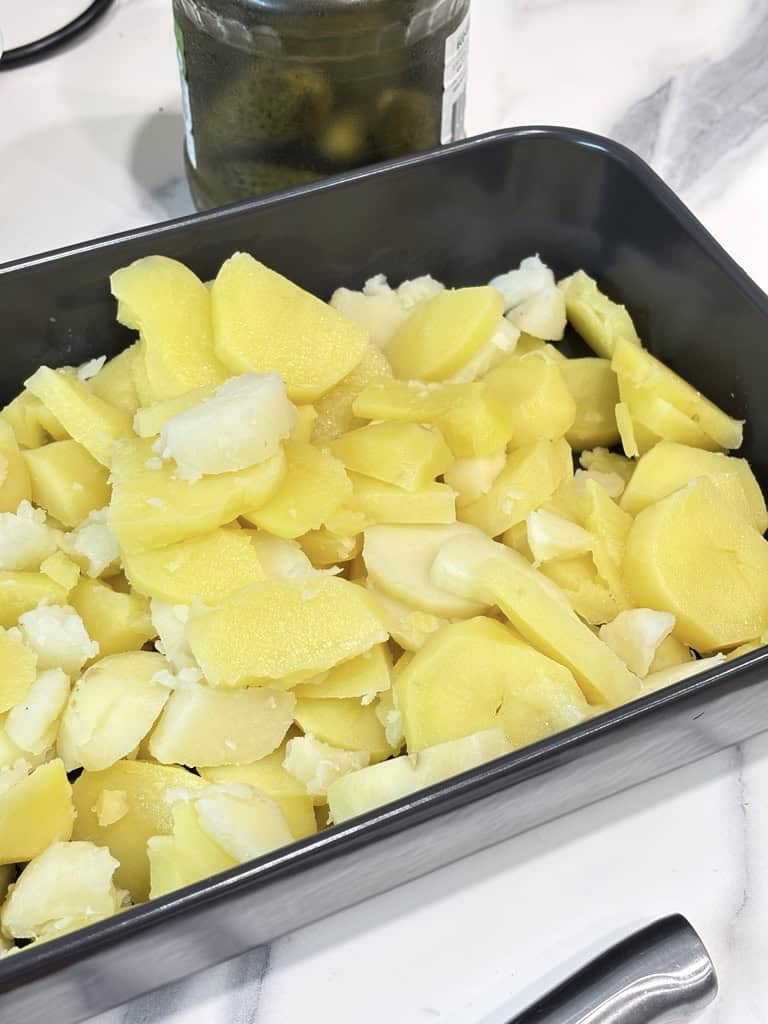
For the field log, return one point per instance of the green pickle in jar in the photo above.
(278, 93)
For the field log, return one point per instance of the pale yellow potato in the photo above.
(536, 393)
(22, 591)
(208, 568)
(325, 549)
(315, 486)
(116, 621)
(171, 308)
(61, 569)
(588, 595)
(373, 501)
(334, 409)
(408, 626)
(600, 321)
(691, 554)
(33, 424)
(344, 723)
(15, 483)
(88, 419)
(595, 390)
(405, 454)
(364, 677)
(18, 667)
(116, 382)
(145, 786)
(444, 333)
(264, 322)
(35, 812)
(186, 856)
(478, 675)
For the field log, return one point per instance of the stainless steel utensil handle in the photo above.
(658, 975)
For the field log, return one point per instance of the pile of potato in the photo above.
(282, 561)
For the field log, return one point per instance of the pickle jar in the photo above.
(277, 93)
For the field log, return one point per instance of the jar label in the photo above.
(455, 83)
(186, 109)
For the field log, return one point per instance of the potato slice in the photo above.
(203, 727)
(316, 766)
(344, 723)
(315, 486)
(171, 308)
(149, 420)
(32, 724)
(205, 568)
(631, 437)
(186, 856)
(444, 333)
(405, 454)
(477, 675)
(636, 636)
(691, 554)
(334, 409)
(379, 784)
(551, 536)
(398, 560)
(306, 416)
(472, 478)
(145, 787)
(264, 322)
(364, 676)
(668, 467)
(530, 477)
(373, 502)
(151, 509)
(609, 526)
(599, 321)
(408, 626)
(639, 369)
(88, 419)
(595, 390)
(61, 569)
(541, 315)
(407, 401)
(31, 422)
(15, 483)
(267, 775)
(325, 549)
(480, 569)
(18, 668)
(600, 460)
(331, 621)
(22, 591)
(588, 595)
(476, 420)
(241, 425)
(115, 382)
(536, 393)
(113, 706)
(117, 622)
(67, 886)
(35, 812)
(280, 559)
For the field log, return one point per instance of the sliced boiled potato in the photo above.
(542, 315)
(636, 636)
(408, 626)
(186, 856)
(264, 322)
(344, 723)
(476, 420)
(331, 620)
(398, 560)
(35, 812)
(171, 308)
(88, 419)
(552, 536)
(33, 723)
(670, 653)
(325, 549)
(377, 502)
(531, 475)
(477, 675)
(113, 706)
(115, 382)
(15, 483)
(599, 321)
(334, 409)
(444, 333)
(58, 637)
(406, 401)
(280, 559)
(67, 886)
(61, 569)
(629, 433)
(368, 788)
(116, 621)
(692, 555)
(205, 568)
(586, 592)
(203, 727)
(472, 478)
(481, 569)
(668, 466)
(18, 668)
(145, 786)
(267, 775)
(600, 460)
(316, 765)
(595, 390)
(32, 423)
(149, 420)
(67, 481)
(364, 676)
(306, 416)
(152, 509)
(640, 369)
(20, 592)
(408, 455)
(315, 486)
(538, 397)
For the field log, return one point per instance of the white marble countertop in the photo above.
(90, 143)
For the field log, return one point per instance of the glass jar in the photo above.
(282, 92)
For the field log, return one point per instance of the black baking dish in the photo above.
(463, 213)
